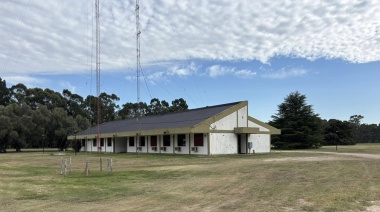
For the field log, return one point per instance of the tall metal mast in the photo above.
(97, 72)
(138, 65)
(138, 69)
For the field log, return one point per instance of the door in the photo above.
(239, 144)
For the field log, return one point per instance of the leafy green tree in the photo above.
(5, 128)
(75, 103)
(338, 132)
(38, 135)
(355, 120)
(368, 133)
(178, 105)
(4, 93)
(108, 106)
(300, 127)
(60, 126)
(76, 145)
(53, 99)
(20, 125)
(132, 110)
(82, 122)
(155, 107)
(18, 93)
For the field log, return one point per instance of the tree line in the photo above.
(302, 128)
(37, 118)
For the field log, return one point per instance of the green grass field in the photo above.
(279, 181)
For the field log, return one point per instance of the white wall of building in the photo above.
(143, 147)
(169, 149)
(261, 128)
(131, 148)
(184, 149)
(89, 146)
(260, 143)
(150, 150)
(242, 117)
(223, 143)
(107, 145)
(84, 148)
(201, 150)
(227, 123)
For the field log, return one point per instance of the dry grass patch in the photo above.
(269, 182)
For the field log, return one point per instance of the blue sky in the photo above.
(203, 51)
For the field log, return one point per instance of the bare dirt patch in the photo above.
(375, 207)
(324, 158)
(359, 155)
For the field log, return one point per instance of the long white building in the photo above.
(213, 130)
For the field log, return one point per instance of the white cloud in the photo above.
(245, 73)
(284, 73)
(217, 70)
(28, 81)
(184, 70)
(68, 86)
(54, 36)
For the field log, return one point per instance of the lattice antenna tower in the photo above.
(97, 31)
(138, 66)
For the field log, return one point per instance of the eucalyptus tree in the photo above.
(74, 104)
(18, 93)
(4, 93)
(178, 105)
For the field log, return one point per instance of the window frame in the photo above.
(131, 141)
(153, 142)
(181, 140)
(165, 140)
(142, 141)
(109, 141)
(197, 140)
(102, 142)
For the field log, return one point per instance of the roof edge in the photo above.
(272, 130)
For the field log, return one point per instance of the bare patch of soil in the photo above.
(359, 155)
(306, 159)
(375, 207)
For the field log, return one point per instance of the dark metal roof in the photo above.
(188, 118)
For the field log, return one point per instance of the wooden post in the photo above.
(86, 169)
(65, 167)
(101, 164)
(111, 164)
(70, 164)
(108, 165)
(61, 169)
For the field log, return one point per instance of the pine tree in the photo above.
(300, 127)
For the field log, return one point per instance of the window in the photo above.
(83, 142)
(131, 141)
(142, 141)
(109, 141)
(166, 140)
(181, 140)
(102, 142)
(198, 139)
(153, 140)
(94, 142)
